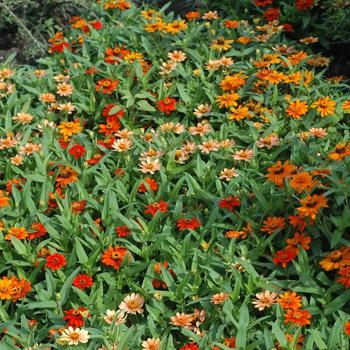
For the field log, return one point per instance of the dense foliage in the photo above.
(174, 183)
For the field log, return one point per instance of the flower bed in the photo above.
(174, 183)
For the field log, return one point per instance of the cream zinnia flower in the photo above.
(228, 174)
(265, 300)
(64, 89)
(47, 97)
(122, 145)
(151, 344)
(116, 317)
(74, 336)
(132, 304)
(150, 165)
(177, 56)
(219, 298)
(181, 320)
(23, 118)
(202, 109)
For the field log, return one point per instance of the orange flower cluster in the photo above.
(291, 304)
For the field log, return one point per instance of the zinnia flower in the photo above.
(151, 344)
(55, 261)
(77, 151)
(132, 304)
(188, 224)
(114, 256)
(264, 300)
(299, 317)
(181, 320)
(83, 281)
(74, 336)
(290, 300)
(167, 105)
(153, 208)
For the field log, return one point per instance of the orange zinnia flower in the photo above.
(20, 288)
(6, 288)
(302, 182)
(289, 301)
(297, 108)
(272, 224)
(312, 204)
(114, 256)
(65, 176)
(299, 239)
(18, 232)
(299, 317)
(336, 259)
(239, 113)
(106, 86)
(325, 106)
(4, 200)
(271, 76)
(341, 151)
(279, 171)
(232, 82)
(227, 100)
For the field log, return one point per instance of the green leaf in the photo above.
(145, 106)
(68, 285)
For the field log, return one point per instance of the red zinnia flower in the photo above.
(192, 346)
(55, 261)
(304, 5)
(63, 143)
(347, 328)
(75, 317)
(272, 14)
(167, 105)
(262, 3)
(39, 231)
(288, 27)
(344, 279)
(79, 206)
(285, 256)
(83, 281)
(229, 202)
(155, 207)
(77, 151)
(152, 184)
(122, 231)
(188, 224)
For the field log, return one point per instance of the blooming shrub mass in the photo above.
(172, 183)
